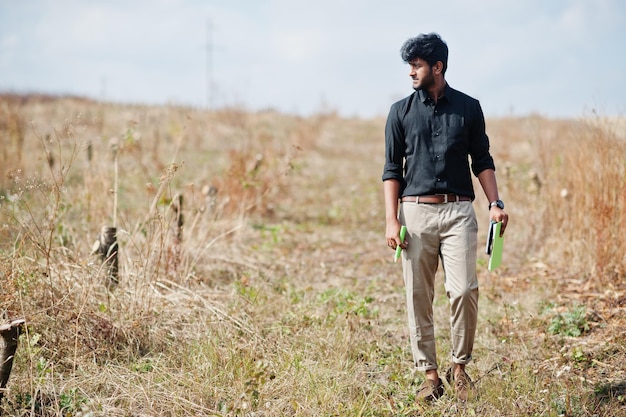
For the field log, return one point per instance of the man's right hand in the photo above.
(392, 234)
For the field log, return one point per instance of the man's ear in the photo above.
(438, 67)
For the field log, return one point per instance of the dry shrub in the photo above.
(259, 162)
(8, 303)
(252, 182)
(585, 201)
(563, 182)
(12, 126)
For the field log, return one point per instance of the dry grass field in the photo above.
(253, 275)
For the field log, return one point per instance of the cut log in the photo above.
(9, 335)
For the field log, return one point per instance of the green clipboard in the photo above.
(495, 245)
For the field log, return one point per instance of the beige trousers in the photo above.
(447, 232)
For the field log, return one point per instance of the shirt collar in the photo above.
(425, 98)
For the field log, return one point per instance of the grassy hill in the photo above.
(254, 278)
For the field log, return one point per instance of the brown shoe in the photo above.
(430, 390)
(462, 384)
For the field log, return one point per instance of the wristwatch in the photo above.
(498, 203)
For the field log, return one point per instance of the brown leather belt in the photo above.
(435, 199)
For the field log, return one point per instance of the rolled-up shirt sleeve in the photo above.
(394, 146)
(479, 143)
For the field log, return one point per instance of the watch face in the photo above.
(498, 203)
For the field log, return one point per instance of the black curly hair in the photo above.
(429, 47)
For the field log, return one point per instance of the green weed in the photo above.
(571, 323)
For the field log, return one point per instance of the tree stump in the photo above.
(9, 335)
(106, 248)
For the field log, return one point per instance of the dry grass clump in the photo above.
(254, 280)
(565, 182)
(592, 197)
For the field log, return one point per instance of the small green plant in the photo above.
(246, 290)
(143, 366)
(343, 301)
(570, 323)
(578, 355)
(273, 232)
(70, 401)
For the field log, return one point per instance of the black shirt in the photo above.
(427, 144)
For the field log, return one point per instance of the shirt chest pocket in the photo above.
(457, 134)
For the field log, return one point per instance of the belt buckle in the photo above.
(447, 200)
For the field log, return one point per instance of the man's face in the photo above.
(421, 73)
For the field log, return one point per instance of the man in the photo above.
(429, 138)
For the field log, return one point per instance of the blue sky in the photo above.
(554, 58)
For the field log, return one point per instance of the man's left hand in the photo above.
(496, 214)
